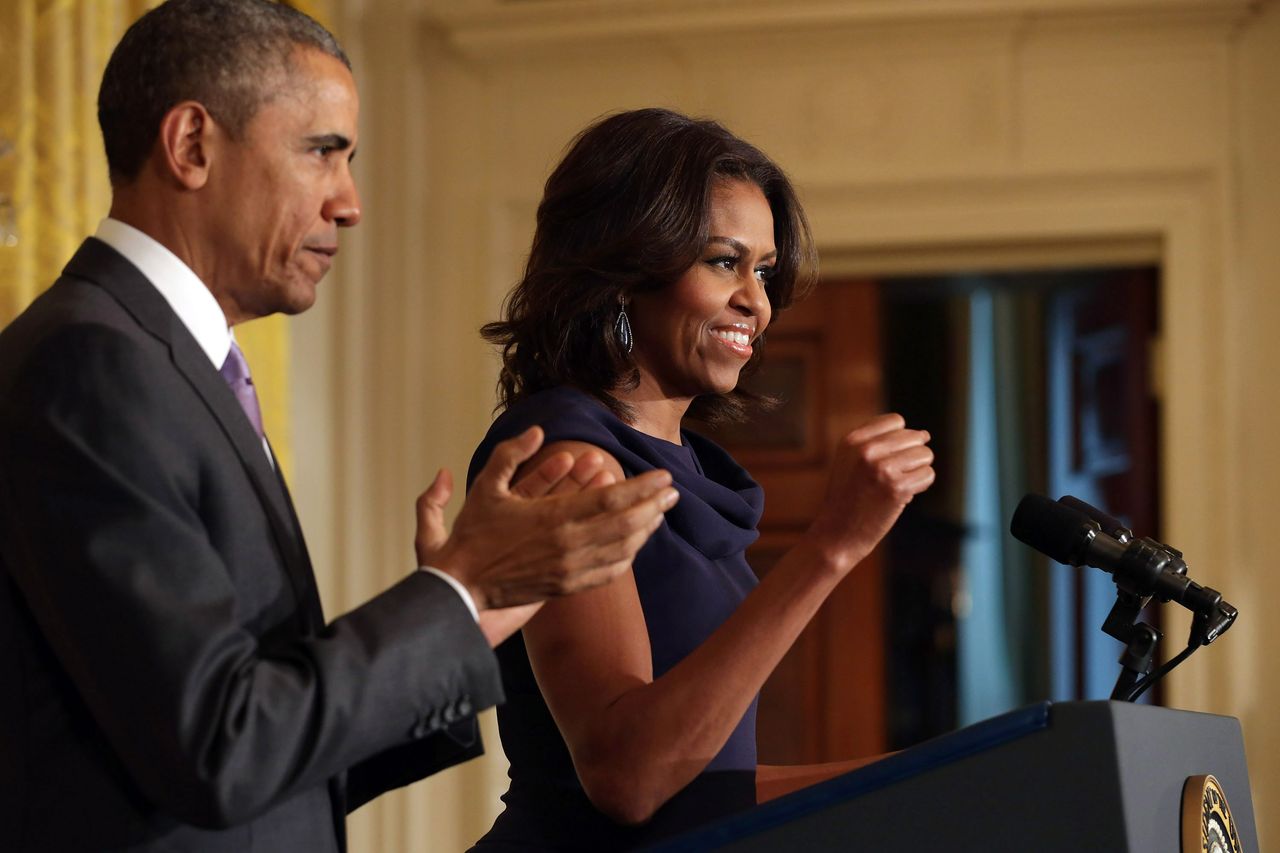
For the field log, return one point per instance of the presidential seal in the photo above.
(1207, 825)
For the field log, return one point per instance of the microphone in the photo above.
(1072, 532)
(1110, 525)
(1064, 533)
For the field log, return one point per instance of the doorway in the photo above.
(1036, 381)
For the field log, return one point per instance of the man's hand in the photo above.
(565, 527)
(559, 474)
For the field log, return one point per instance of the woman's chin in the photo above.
(719, 389)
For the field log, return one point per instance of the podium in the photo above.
(1070, 777)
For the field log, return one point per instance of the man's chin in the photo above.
(298, 297)
(291, 303)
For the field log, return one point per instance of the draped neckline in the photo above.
(720, 504)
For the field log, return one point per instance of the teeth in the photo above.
(741, 338)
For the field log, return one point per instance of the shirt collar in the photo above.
(186, 294)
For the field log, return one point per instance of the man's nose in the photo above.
(344, 207)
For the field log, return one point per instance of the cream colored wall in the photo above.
(1248, 688)
(923, 136)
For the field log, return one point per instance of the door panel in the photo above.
(825, 701)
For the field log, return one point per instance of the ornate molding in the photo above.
(485, 26)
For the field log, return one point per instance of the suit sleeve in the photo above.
(103, 533)
(405, 765)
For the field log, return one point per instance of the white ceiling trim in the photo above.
(481, 26)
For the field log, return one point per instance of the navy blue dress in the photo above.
(691, 575)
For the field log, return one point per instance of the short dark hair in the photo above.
(224, 54)
(627, 211)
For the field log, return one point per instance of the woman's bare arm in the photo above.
(636, 741)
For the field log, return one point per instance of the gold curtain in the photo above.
(53, 174)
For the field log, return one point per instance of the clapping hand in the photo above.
(565, 526)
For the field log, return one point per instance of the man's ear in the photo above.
(187, 140)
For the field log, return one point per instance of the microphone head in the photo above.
(1110, 525)
(1052, 529)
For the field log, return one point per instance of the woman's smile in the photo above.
(737, 338)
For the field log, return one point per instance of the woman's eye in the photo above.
(727, 262)
(765, 273)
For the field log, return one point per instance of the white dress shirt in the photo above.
(177, 283)
(195, 306)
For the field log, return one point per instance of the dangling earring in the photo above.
(622, 328)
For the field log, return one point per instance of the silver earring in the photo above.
(622, 328)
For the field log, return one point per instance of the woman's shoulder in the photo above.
(563, 412)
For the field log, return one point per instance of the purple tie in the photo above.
(235, 370)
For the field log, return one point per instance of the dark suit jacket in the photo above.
(167, 680)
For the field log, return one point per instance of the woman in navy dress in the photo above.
(664, 247)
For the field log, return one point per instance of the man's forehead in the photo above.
(314, 65)
(318, 90)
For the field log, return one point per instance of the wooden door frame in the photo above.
(1166, 219)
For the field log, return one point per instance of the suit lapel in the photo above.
(99, 263)
(303, 556)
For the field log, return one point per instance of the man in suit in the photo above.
(167, 679)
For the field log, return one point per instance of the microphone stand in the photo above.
(1075, 534)
(1140, 638)
(1150, 568)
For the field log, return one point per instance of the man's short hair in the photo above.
(225, 54)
